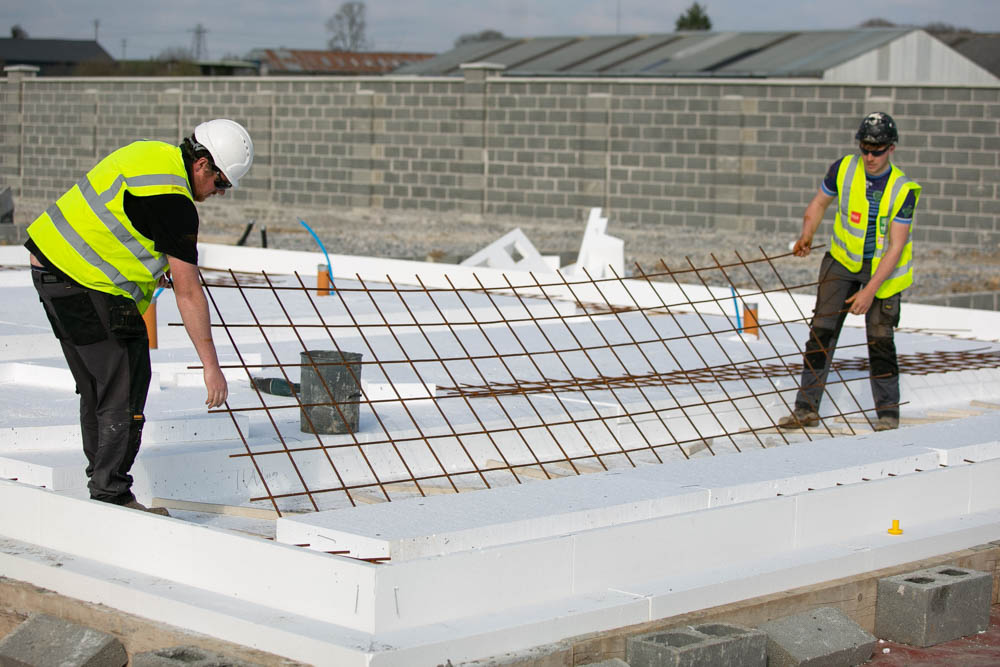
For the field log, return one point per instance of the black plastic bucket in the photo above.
(332, 396)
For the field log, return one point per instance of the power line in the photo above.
(198, 48)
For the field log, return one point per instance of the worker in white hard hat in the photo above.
(97, 255)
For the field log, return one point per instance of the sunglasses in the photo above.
(220, 181)
(877, 153)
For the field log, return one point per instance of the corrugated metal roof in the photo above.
(300, 61)
(811, 53)
(467, 53)
(761, 54)
(578, 52)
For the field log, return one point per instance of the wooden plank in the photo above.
(367, 496)
(985, 404)
(212, 508)
(811, 430)
(583, 468)
(953, 413)
(902, 420)
(411, 487)
(534, 471)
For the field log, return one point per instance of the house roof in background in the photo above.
(44, 51)
(301, 61)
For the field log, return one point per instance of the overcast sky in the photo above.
(143, 29)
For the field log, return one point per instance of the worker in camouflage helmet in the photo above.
(98, 253)
(869, 264)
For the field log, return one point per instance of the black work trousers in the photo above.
(836, 283)
(104, 340)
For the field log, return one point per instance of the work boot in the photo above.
(136, 505)
(886, 423)
(800, 418)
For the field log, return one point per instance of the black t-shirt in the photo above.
(169, 221)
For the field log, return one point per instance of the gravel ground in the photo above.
(451, 237)
(941, 270)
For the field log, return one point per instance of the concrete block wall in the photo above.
(741, 155)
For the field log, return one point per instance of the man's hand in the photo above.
(803, 246)
(216, 386)
(165, 281)
(860, 301)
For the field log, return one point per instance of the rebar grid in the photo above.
(481, 385)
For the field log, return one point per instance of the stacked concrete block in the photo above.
(186, 656)
(742, 156)
(45, 640)
(932, 606)
(823, 637)
(705, 645)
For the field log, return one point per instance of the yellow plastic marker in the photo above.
(895, 530)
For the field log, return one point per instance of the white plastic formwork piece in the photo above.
(566, 584)
(513, 250)
(600, 255)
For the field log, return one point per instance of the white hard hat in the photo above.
(230, 146)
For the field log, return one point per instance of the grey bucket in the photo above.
(340, 378)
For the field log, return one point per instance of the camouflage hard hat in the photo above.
(878, 128)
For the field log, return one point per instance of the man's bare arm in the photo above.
(810, 222)
(194, 312)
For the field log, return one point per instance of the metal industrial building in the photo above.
(892, 55)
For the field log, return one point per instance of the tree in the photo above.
(177, 54)
(938, 26)
(481, 36)
(17, 32)
(877, 23)
(695, 18)
(348, 28)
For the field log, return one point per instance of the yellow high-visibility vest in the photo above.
(87, 235)
(851, 223)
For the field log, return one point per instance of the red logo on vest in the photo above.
(855, 217)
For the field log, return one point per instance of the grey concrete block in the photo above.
(823, 637)
(186, 656)
(6, 206)
(934, 605)
(46, 640)
(704, 645)
(613, 662)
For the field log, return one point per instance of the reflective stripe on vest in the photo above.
(85, 220)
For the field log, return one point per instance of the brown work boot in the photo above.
(886, 423)
(800, 418)
(136, 505)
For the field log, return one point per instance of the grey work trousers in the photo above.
(104, 340)
(836, 283)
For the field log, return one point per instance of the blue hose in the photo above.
(157, 293)
(329, 267)
(736, 307)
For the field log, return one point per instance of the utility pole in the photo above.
(618, 18)
(97, 24)
(123, 48)
(198, 49)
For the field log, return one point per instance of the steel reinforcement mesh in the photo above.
(471, 384)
